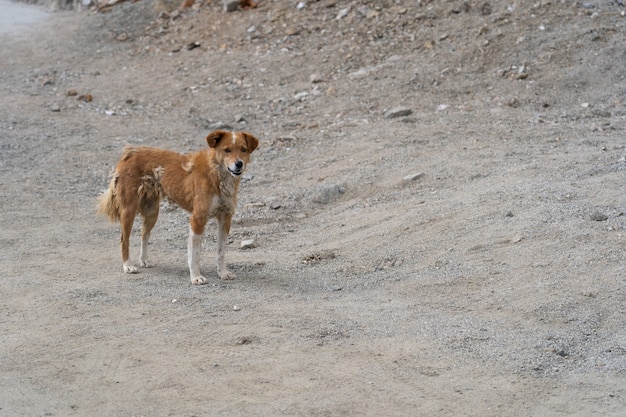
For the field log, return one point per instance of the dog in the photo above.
(204, 183)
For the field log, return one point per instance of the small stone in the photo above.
(301, 96)
(231, 5)
(508, 214)
(398, 112)
(329, 193)
(599, 217)
(342, 13)
(71, 93)
(55, 108)
(193, 45)
(333, 288)
(316, 78)
(248, 244)
(237, 308)
(273, 203)
(413, 177)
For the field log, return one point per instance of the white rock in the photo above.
(247, 244)
(413, 177)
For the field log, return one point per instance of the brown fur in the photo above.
(204, 183)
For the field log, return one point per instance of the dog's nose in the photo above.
(239, 164)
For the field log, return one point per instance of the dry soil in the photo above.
(437, 205)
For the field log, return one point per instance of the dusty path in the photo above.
(15, 17)
(491, 283)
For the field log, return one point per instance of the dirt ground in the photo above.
(437, 205)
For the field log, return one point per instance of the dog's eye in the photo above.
(244, 150)
(227, 150)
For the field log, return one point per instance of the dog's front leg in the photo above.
(223, 228)
(194, 250)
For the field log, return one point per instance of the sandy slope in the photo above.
(490, 284)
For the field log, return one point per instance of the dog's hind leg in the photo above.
(149, 197)
(126, 221)
(149, 219)
(223, 228)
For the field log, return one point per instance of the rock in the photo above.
(599, 217)
(55, 108)
(342, 13)
(273, 203)
(301, 96)
(193, 45)
(508, 214)
(326, 194)
(230, 5)
(413, 177)
(319, 256)
(398, 112)
(316, 78)
(248, 244)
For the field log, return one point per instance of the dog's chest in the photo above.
(221, 204)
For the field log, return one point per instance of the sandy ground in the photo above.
(464, 256)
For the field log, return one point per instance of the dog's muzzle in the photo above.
(236, 169)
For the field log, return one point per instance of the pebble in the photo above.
(413, 177)
(599, 217)
(326, 194)
(301, 96)
(273, 203)
(55, 108)
(231, 5)
(236, 308)
(247, 244)
(342, 13)
(316, 78)
(398, 112)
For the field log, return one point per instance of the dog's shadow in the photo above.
(245, 271)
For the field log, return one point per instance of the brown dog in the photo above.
(204, 183)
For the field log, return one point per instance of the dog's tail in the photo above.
(108, 204)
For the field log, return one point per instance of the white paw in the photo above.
(199, 280)
(143, 263)
(129, 269)
(226, 274)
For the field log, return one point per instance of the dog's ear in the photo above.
(252, 141)
(214, 138)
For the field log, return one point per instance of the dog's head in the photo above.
(232, 149)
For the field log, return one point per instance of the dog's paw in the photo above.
(227, 275)
(199, 280)
(129, 269)
(144, 264)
